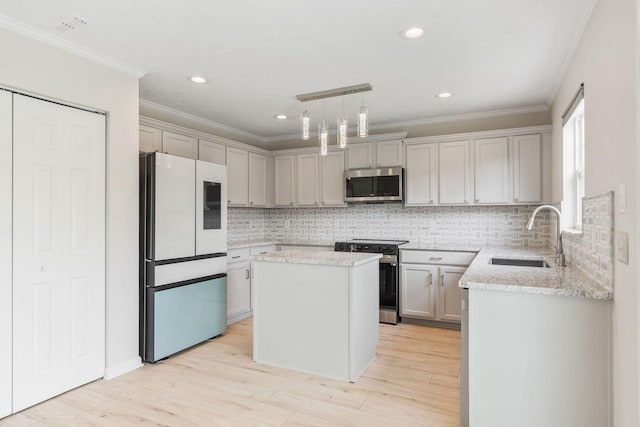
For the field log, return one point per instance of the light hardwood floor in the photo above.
(413, 382)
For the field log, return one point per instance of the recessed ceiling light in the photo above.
(444, 95)
(412, 33)
(197, 79)
(280, 116)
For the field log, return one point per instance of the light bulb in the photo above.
(305, 124)
(323, 136)
(343, 124)
(363, 124)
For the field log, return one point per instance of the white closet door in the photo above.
(58, 249)
(5, 253)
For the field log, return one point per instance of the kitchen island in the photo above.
(536, 342)
(316, 312)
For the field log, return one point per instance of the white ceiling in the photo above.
(258, 55)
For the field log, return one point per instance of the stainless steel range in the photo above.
(389, 272)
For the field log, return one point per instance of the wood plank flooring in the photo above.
(413, 382)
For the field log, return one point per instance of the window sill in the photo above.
(573, 231)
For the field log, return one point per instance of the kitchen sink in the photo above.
(520, 262)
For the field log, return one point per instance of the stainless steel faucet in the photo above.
(559, 252)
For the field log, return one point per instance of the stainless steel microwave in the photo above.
(382, 185)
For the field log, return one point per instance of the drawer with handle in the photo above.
(261, 250)
(436, 257)
(238, 255)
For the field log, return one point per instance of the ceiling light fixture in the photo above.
(197, 79)
(280, 116)
(323, 137)
(342, 122)
(412, 33)
(443, 95)
(343, 125)
(305, 119)
(363, 120)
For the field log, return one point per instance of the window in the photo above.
(573, 140)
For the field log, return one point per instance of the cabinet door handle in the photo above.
(430, 279)
(515, 199)
(435, 258)
(477, 200)
(247, 274)
(234, 257)
(442, 279)
(250, 203)
(262, 253)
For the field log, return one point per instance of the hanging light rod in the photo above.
(347, 90)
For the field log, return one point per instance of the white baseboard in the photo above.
(122, 368)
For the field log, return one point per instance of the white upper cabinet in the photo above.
(527, 168)
(237, 177)
(284, 180)
(420, 174)
(388, 153)
(360, 155)
(374, 154)
(179, 145)
(491, 170)
(307, 179)
(332, 179)
(454, 166)
(150, 139)
(257, 180)
(211, 152)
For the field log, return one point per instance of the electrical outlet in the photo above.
(622, 247)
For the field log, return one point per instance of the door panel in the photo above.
(450, 294)
(417, 294)
(175, 222)
(6, 229)
(58, 263)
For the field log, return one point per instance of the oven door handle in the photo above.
(389, 259)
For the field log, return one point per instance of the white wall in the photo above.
(38, 68)
(605, 61)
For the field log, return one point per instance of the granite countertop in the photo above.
(261, 242)
(562, 281)
(342, 259)
(423, 246)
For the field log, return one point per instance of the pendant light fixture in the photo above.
(363, 120)
(341, 132)
(306, 120)
(342, 121)
(323, 137)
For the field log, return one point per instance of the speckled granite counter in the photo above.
(239, 244)
(563, 281)
(343, 259)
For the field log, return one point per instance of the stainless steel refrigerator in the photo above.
(183, 259)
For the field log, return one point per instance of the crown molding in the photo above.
(165, 126)
(55, 41)
(433, 120)
(467, 116)
(196, 119)
(480, 134)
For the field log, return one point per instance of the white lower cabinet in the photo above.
(417, 295)
(429, 284)
(239, 295)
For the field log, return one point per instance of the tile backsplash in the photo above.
(592, 250)
(443, 225)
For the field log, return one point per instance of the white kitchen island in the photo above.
(316, 312)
